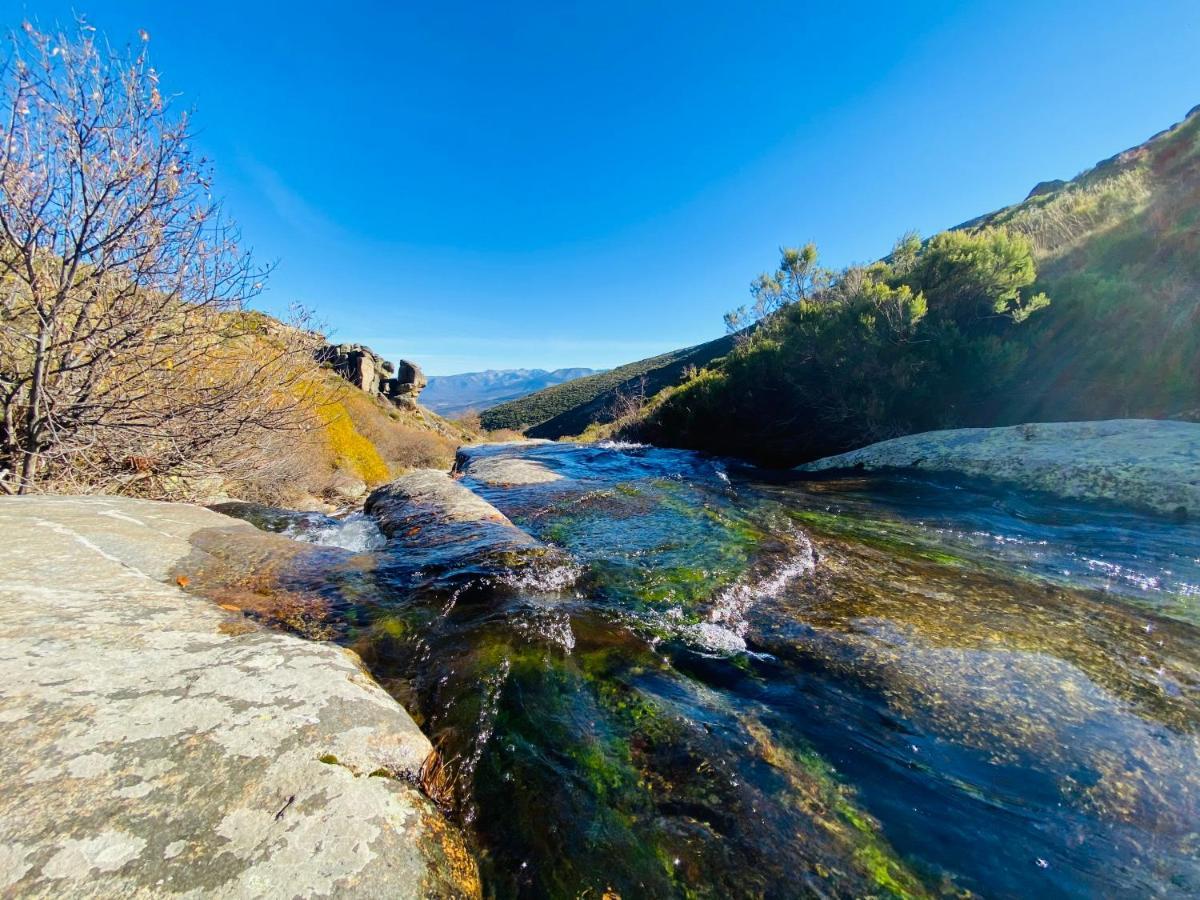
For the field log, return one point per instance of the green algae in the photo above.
(583, 733)
(391, 626)
(890, 535)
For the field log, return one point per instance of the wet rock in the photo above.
(502, 470)
(487, 463)
(429, 506)
(157, 744)
(1139, 463)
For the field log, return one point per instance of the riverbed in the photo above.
(706, 679)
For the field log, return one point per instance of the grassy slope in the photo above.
(1118, 252)
(568, 409)
(356, 438)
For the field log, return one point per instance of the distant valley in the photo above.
(456, 395)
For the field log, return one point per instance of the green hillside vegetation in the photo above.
(913, 343)
(1118, 249)
(870, 353)
(569, 408)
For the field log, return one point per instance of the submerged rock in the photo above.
(157, 744)
(1139, 463)
(504, 471)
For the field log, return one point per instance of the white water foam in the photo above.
(357, 533)
(621, 445)
(731, 605)
(711, 636)
(543, 577)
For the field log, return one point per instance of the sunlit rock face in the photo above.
(1141, 463)
(159, 743)
(367, 371)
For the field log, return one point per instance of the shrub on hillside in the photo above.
(921, 341)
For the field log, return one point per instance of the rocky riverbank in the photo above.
(1143, 464)
(159, 744)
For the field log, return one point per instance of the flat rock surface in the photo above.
(156, 745)
(1140, 463)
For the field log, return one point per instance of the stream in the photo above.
(711, 680)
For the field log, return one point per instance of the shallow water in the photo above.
(724, 682)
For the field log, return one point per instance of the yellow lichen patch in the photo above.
(460, 868)
(351, 450)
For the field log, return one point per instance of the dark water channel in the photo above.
(723, 683)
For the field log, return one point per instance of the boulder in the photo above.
(354, 362)
(157, 744)
(430, 497)
(369, 372)
(406, 387)
(438, 520)
(1144, 464)
(409, 373)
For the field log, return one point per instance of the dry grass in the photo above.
(403, 439)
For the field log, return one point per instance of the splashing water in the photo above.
(356, 532)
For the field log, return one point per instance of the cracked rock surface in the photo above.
(155, 745)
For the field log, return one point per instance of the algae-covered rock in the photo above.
(156, 744)
(1139, 463)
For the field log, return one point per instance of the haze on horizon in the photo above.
(561, 185)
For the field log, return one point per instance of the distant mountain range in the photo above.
(570, 408)
(455, 395)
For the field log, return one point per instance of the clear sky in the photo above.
(497, 185)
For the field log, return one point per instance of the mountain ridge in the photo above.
(459, 394)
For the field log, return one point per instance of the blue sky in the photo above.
(486, 185)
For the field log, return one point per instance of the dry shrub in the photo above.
(470, 421)
(505, 434)
(401, 438)
(352, 451)
(291, 467)
(128, 360)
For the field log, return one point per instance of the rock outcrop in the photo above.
(369, 372)
(156, 744)
(1144, 464)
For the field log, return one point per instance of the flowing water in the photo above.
(719, 682)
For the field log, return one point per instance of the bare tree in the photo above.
(627, 403)
(126, 354)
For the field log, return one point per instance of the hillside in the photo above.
(568, 409)
(890, 349)
(456, 395)
(1118, 251)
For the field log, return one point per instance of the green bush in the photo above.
(922, 341)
